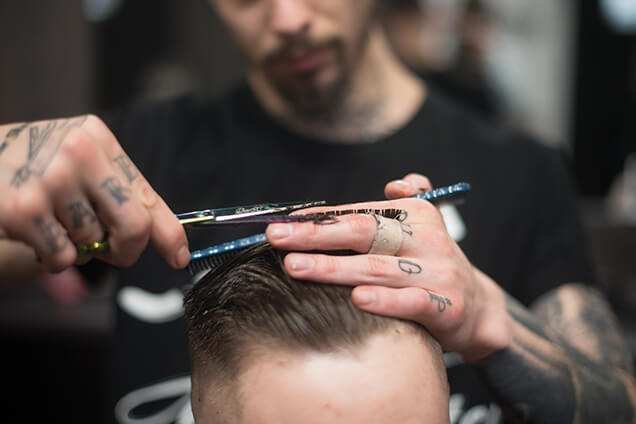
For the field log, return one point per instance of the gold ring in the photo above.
(97, 247)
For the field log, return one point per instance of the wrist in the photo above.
(492, 329)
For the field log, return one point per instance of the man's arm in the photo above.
(567, 361)
(544, 374)
(68, 181)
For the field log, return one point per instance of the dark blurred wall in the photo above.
(604, 122)
(159, 48)
(47, 59)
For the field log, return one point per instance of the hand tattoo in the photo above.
(12, 135)
(117, 191)
(409, 267)
(442, 302)
(79, 211)
(407, 229)
(53, 233)
(43, 147)
(127, 167)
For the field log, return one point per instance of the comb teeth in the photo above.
(386, 213)
(202, 260)
(211, 262)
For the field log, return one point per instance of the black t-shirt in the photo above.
(521, 227)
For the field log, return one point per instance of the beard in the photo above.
(315, 93)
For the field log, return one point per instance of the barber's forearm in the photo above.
(539, 378)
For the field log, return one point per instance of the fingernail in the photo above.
(279, 231)
(301, 262)
(364, 297)
(404, 183)
(183, 257)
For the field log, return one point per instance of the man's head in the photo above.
(269, 349)
(305, 50)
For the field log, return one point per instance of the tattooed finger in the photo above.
(410, 303)
(80, 220)
(52, 244)
(127, 167)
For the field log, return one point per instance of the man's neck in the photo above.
(381, 97)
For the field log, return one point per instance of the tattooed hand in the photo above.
(429, 280)
(68, 181)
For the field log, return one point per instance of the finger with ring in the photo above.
(388, 236)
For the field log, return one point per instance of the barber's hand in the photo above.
(66, 182)
(428, 280)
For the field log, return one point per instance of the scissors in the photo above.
(270, 213)
(262, 213)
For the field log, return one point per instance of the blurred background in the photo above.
(565, 71)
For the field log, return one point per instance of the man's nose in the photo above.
(290, 17)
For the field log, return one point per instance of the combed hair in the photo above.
(250, 302)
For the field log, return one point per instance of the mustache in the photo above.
(298, 46)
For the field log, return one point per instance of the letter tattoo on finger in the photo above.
(409, 267)
(402, 215)
(79, 213)
(53, 234)
(12, 135)
(42, 147)
(127, 167)
(117, 191)
(442, 302)
(407, 229)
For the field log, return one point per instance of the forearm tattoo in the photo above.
(541, 378)
(44, 140)
(597, 334)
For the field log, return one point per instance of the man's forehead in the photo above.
(390, 379)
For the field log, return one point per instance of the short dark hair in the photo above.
(250, 302)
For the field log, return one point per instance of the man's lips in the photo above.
(305, 60)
